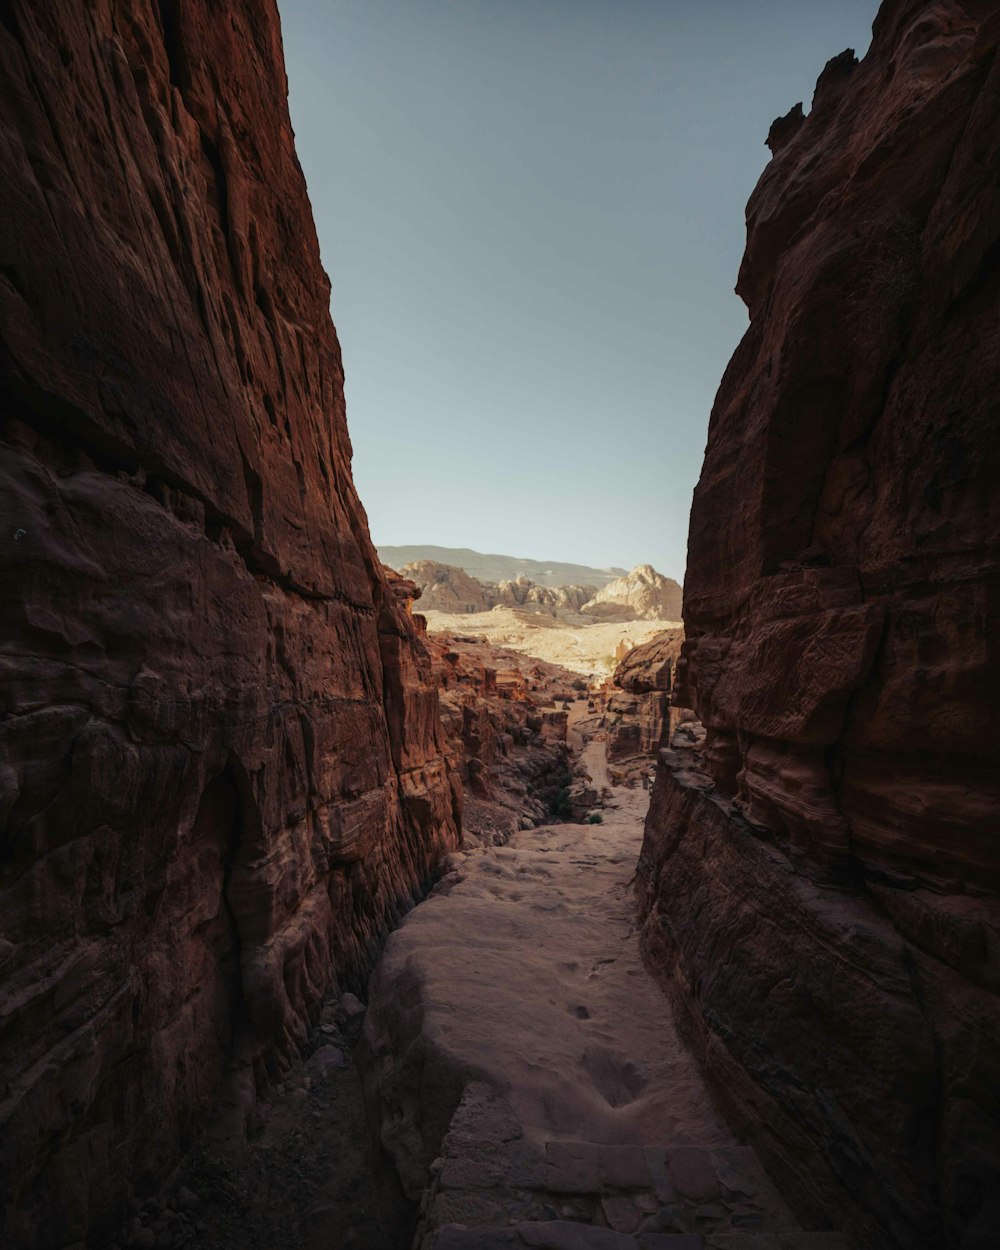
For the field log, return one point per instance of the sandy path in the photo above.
(512, 1012)
(531, 978)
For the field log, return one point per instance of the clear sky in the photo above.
(531, 212)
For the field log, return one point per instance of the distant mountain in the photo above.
(494, 568)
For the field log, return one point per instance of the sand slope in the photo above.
(583, 647)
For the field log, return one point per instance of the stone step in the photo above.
(494, 1187)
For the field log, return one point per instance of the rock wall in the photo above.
(506, 725)
(638, 714)
(443, 588)
(819, 885)
(222, 770)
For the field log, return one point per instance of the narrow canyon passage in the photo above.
(521, 1056)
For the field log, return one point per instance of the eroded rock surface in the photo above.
(505, 718)
(223, 773)
(643, 594)
(820, 880)
(638, 713)
(444, 588)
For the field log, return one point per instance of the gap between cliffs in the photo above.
(517, 1078)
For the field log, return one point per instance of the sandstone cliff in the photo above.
(447, 588)
(505, 717)
(444, 588)
(222, 772)
(555, 600)
(638, 713)
(820, 885)
(643, 594)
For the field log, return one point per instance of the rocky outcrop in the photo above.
(505, 717)
(223, 773)
(819, 884)
(642, 594)
(523, 593)
(444, 588)
(638, 713)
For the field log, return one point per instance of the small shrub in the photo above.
(595, 818)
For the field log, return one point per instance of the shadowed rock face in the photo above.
(640, 717)
(820, 888)
(221, 763)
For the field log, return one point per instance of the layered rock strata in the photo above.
(642, 594)
(223, 772)
(638, 712)
(505, 718)
(819, 883)
(444, 588)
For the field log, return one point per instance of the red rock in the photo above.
(826, 917)
(506, 737)
(639, 716)
(223, 773)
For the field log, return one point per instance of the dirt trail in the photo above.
(525, 1059)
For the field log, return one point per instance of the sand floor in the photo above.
(576, 644)
(523, 1060)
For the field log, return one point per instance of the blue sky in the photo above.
(531, 212)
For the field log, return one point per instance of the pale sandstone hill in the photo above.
(643, 594)
(524, 593)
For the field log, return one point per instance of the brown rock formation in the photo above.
(447, 588)
(444, 588)
(222, 769)
(820, 886)
(643, 594)
(638, 714)
(553, 599)
(506, 727)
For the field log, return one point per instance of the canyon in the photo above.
(326, 920)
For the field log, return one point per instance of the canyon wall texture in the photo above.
(222, 770)
(819, 884)
(639, 714)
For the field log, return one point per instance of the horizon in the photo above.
(617, 569)
(533, 218)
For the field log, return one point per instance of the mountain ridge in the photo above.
(496, 567)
